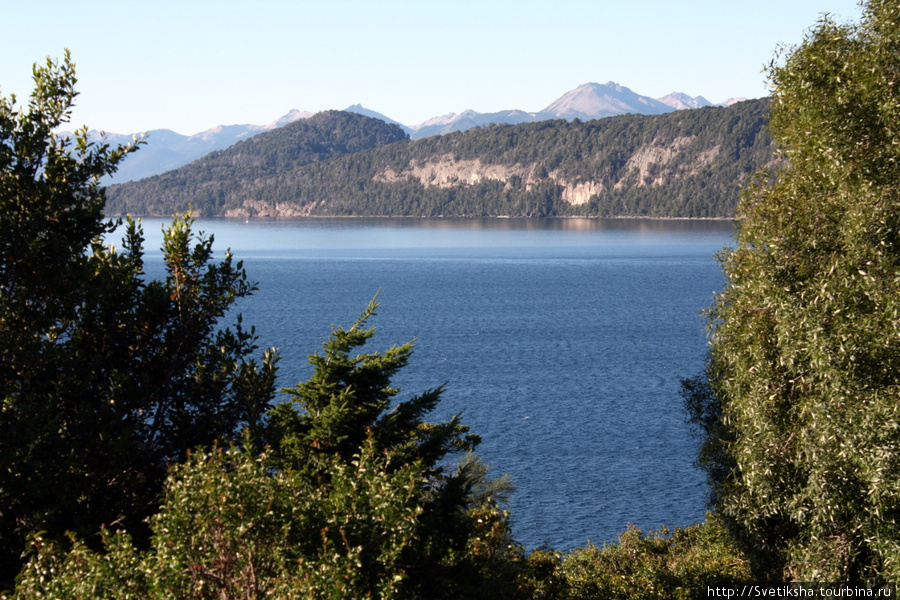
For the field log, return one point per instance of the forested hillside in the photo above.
(246, 168)
(684, 164)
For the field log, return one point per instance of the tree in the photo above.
(105, 377)
(806, 334)
(351, 500)
(349, 407)
(348, 400)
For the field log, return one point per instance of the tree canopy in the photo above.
(105, 377)
(806, 334)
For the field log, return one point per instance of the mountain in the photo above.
(469, 119)
(595, 100)
(586, 102)
(680, 101)
(689, 164)
(167, 150)
(251, 162)
(290, 117)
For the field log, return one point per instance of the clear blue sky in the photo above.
(194, 64)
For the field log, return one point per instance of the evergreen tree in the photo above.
(348, 400)
(349, 405)
(105, 377)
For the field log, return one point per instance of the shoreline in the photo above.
(437, 217)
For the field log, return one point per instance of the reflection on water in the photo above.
(285, 235)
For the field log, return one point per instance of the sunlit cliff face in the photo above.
(646, 167)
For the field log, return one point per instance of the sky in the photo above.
(192, 65)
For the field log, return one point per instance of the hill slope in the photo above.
(681, 164)
(208, 183)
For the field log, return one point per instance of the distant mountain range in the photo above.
(167, 150)
(689, 164)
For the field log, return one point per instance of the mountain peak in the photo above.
(680, 101)
(362, 110)
(596, 100)
(291, 116)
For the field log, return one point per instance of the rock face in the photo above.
(651, 165)
(259, 208)
(445, 172)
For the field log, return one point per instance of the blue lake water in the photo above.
(562, 342)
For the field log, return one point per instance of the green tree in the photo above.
(105, 377)
(348, 400)
(330, 511)
(462, 540)
(232, 528)
(806, 334)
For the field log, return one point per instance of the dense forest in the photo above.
(684, 164)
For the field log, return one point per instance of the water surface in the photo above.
(562, 343)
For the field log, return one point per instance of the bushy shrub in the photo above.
(680, 565)
(231, 528)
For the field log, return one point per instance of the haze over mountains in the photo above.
(167, 150)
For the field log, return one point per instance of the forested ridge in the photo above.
(683, 164)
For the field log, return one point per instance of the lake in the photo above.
(562, 343)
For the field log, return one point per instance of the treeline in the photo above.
(683, 164)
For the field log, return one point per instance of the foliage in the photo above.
(348, 404)
(805, 334)
(354, 518)
(704, 414)
(677, 565)
(230, 528)
(105, 377)
(686, 164)
(348, 399)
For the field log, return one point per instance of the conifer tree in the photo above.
(105, 377)
(349, 405)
